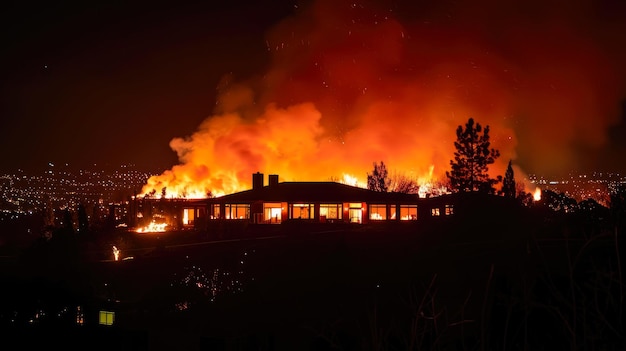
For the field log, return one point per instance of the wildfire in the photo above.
(333, 111)
(153, 227)
(349, 179)
(537, 194)
(116, 253)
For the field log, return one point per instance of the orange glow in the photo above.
(537, 194)
(335, 99)
(116, 253)
(222, 155)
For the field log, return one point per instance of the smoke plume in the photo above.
(352, 83)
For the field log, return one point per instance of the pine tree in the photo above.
(378, 180)
(469, 169)
(508, 184)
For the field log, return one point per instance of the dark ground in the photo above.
(492, 285)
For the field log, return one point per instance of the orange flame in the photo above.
(537, 194)
(222, 155)
(153, 227)
(341, 94)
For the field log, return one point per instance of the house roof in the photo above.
(330, 192)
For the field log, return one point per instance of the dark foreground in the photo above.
(510, 286)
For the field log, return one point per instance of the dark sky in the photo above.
(115, 82)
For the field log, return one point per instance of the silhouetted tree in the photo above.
(508, 183)
(378, 180)
(618, 205)
(525, 198)
(83, 220)
(472, 159)
(558, 202)
(401, 183)
(68, 223)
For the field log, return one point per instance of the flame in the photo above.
(153, 227)
(349, 179)
(537, 194)
(116, 253)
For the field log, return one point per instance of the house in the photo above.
(315, 202)
(319, 202)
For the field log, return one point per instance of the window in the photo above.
(301, 211)
(331, 211)
(434, 211)
(107, 317)
(378, 212)
(392, 212)
(408, 212)
(272, 212)
(355, 212)
(449, 210)
(216, 211)
(189, 214)
(237, 211)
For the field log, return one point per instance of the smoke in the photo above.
(352, 83)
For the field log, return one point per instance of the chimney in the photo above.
(273, 179)
(257, 180)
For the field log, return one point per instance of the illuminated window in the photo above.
(378, 212)
(331, 211)
(107, 317)
(237, 211)
(449, 210)
(216, 211)
(301, 211)
(434, 212)
(189, 214)
(408, 212)
(392, 212)
(272, 212)
(355, 212)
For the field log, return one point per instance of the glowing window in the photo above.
(331, 211)
(107, 317)
(378, 212)
(449, 210)
(435, 211)
(237, 211)
(189, 214)
(272, 212)
(301, 211)
(216, 211)
(408, 212)
(392, 212)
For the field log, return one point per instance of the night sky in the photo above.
(155, 84)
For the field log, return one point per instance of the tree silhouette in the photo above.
(558, 201)
(83, 221)
(618, 206)
(472, 159)
(401, 183)
(508, 183)
(68, 223)
(378, 180)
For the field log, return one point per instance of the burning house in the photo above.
(307, 202)
(317, 202)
